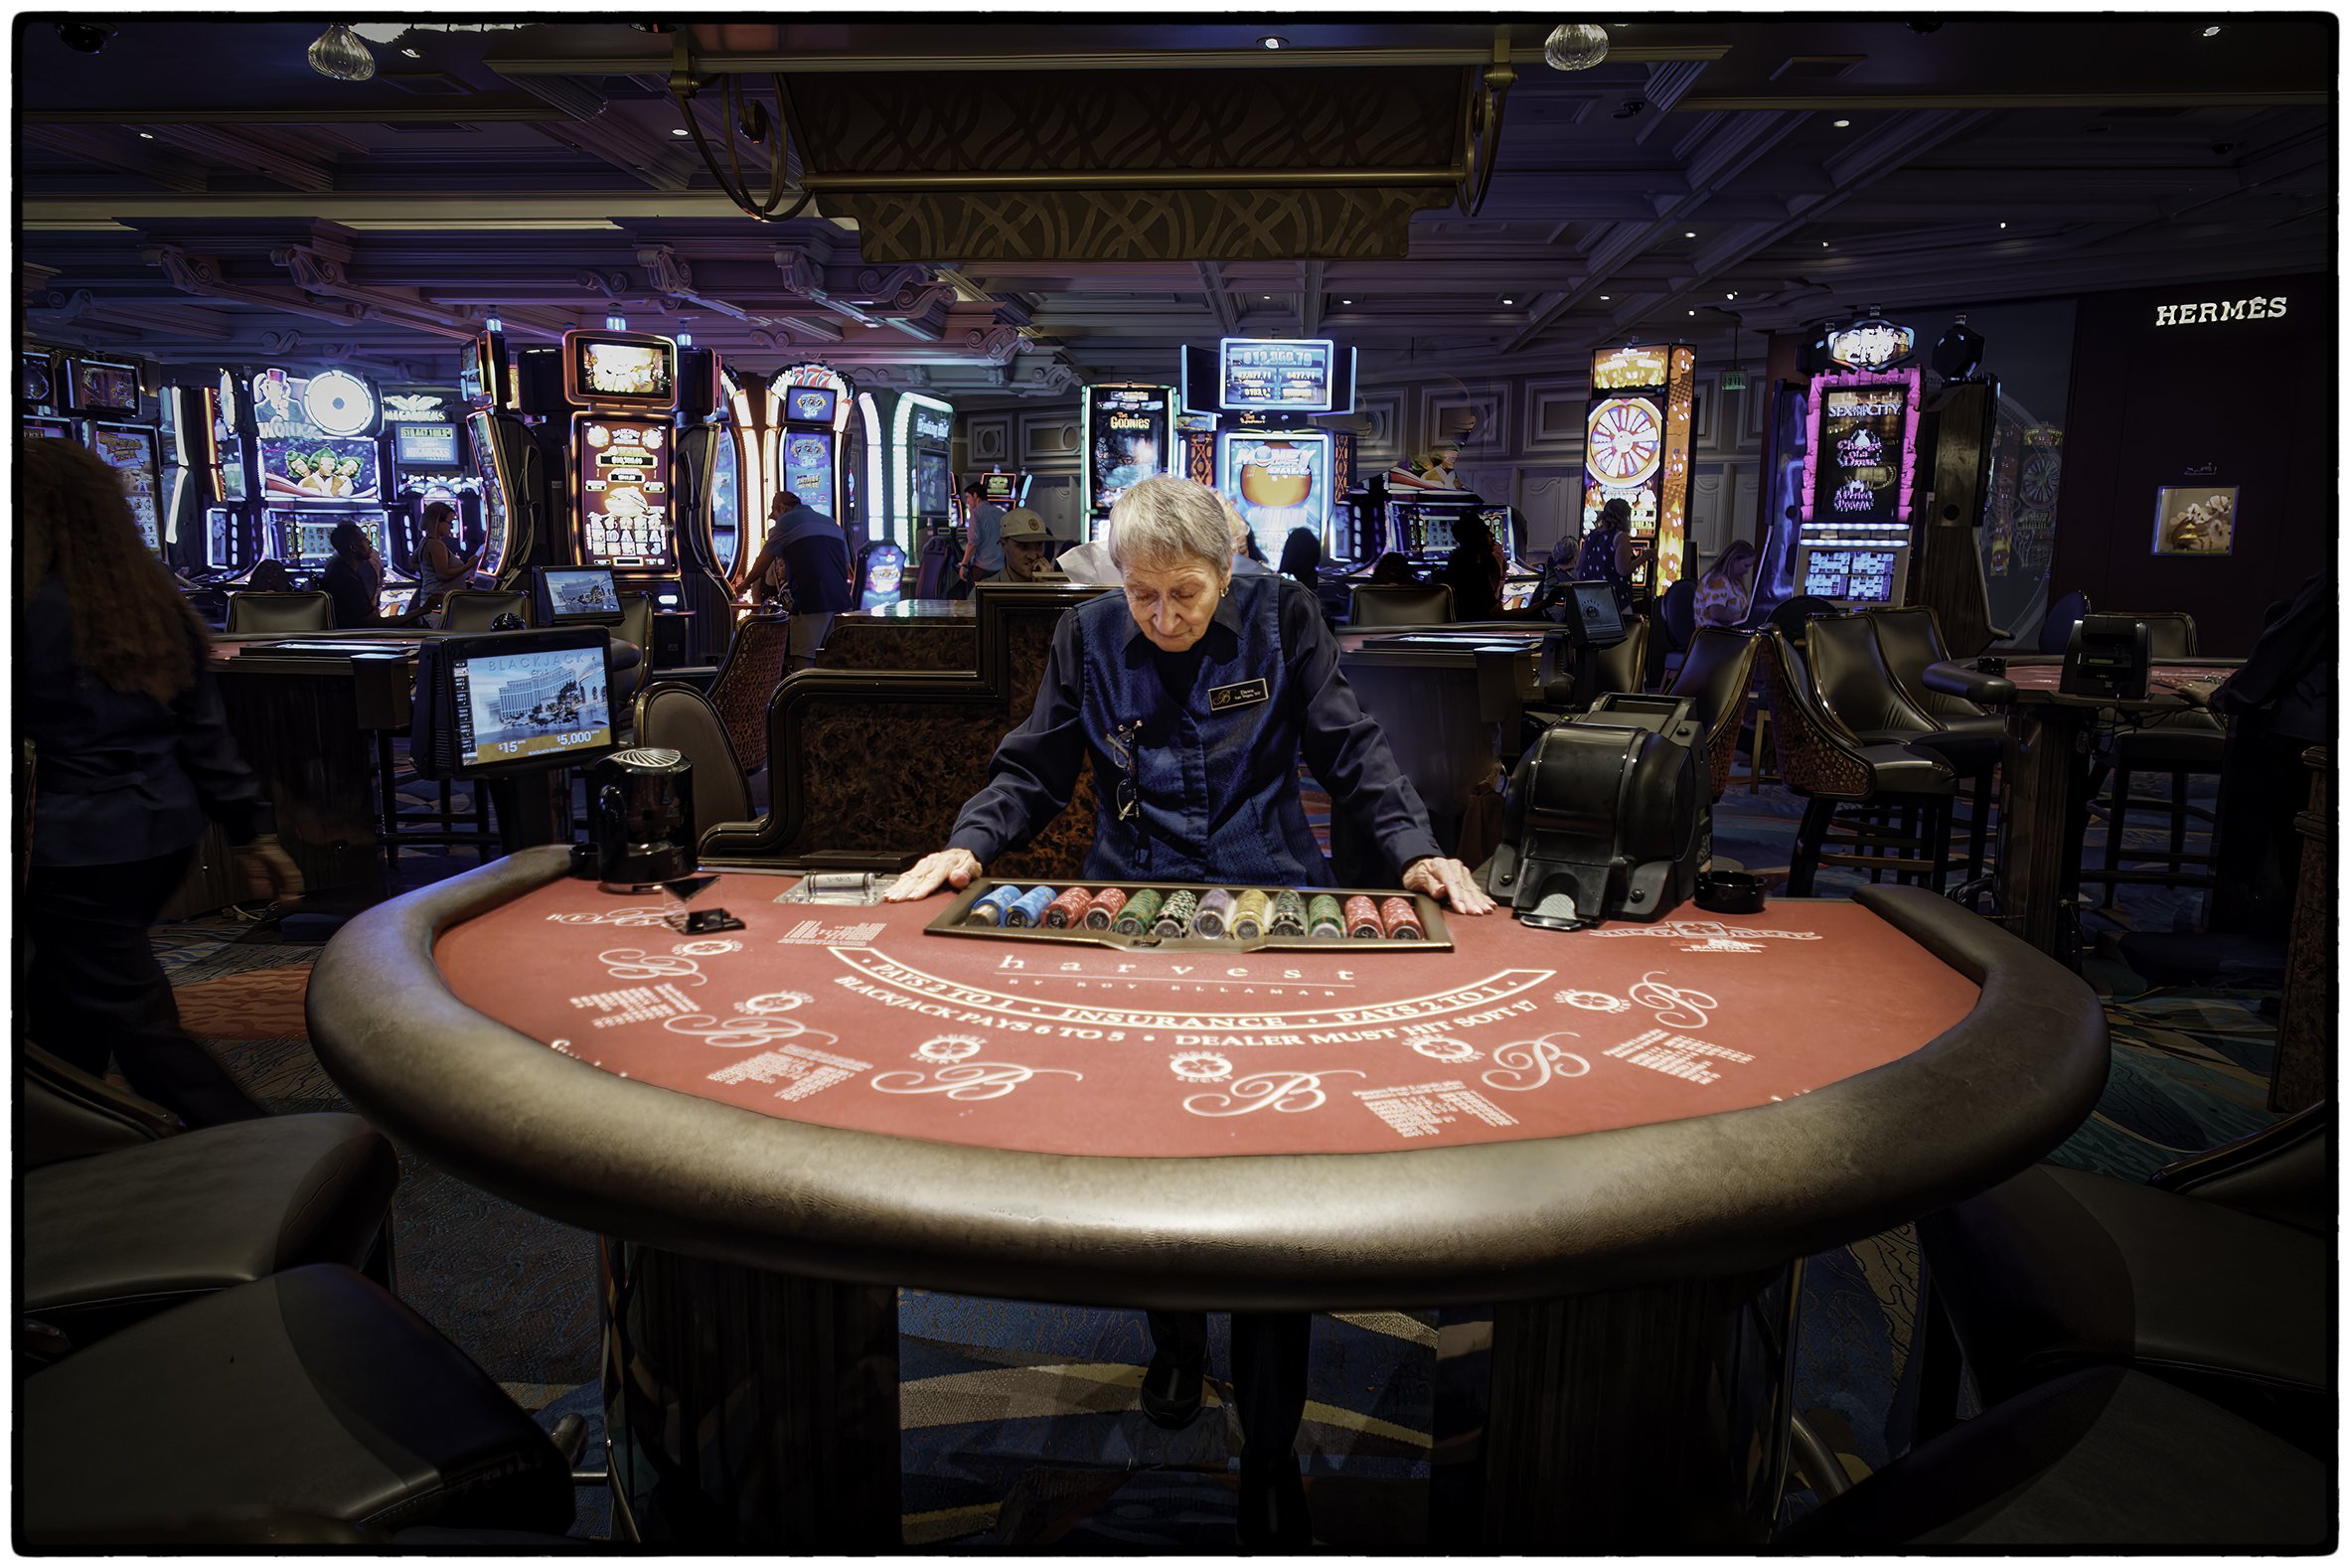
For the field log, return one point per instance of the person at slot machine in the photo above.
(1727, 588)
(806, 556)
(982, 547)
(1607, 553)
(131, 759)
(440, 566)
(1193, 695)
(353, 578)
(1475, 573)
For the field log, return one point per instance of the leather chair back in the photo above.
(635, 628)
(673, 715)
(1849, 672)
(1677, 610)
(1817, 756)
(63, 1113)
(746, 681)
(1401, 604)
(249, 611)
(2056, 628)
(2170, 634)
(1717, 678)
(1624, 668)
(1910, 637)
(478, 609)
(1791, 615)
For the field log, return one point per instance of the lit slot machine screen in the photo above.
(624, 493)
(1827, 573)
(1871, 577)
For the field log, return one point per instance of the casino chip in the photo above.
(1593, 1001)
(775, 1002)
(1200, 1066)
(1442, 1049)
(950, 1049)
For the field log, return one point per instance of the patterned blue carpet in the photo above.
(1020, 1430)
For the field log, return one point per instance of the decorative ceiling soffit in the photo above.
(1126, 160)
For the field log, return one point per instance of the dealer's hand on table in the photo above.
(932, 872)
(1441, 877)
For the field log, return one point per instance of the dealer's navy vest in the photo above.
(1212, 768)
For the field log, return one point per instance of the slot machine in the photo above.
(424, 460)
(705, 447)
(231, 542)
(1860, 458)
(1127, 435)
(314, 440)
(812, 406)
(105, 396)
(512, 468)
(39, 403)
(1635, 447)
(915, 474)
(623, 388)
(1276, 466)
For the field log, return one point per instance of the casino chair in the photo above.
(1622, 667)
(1794, 614)
(2103, 1461)
(125, 1214)
(635, 629)
(2182, 743)
(1400, 604)
(1676, 617)
(1717, 677)
(747, 683)
(673, 715)
(251, 611)
(1855, 683)
(2056, 627)
(311, 1393)
(2213, 1275)
(478, 609)
(1823, 761)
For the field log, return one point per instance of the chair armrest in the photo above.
(2281, 1173)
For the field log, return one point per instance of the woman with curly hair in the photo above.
(129, 756)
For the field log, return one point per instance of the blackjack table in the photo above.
(1597, 1155)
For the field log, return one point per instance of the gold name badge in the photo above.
(1244, 695)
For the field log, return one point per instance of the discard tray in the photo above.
(1437, 939)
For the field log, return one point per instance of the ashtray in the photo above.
(1730, 892)
(703, 922)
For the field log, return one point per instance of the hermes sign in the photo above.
(2204, 312)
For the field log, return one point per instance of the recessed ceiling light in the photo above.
(1688, 234)
(1268, 299)
(1841, 125)
(146, 135)
(1269, 41)
(1346, 303)
(413, 54)
(1603, 298)
(678, 130)
(1824, 244)
(1733, 294)
(2003, 222)
(1692, 313)
(2212, 31)
(1507, 301)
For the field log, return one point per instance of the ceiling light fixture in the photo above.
(1688, 234)
(2003, 222)
(1346, 303)
(1270, 41)
(616, 323)
(1841, 125)
(1575, 45)
(413, 54)
(2212, 31)
(343, 55)
(678, 130)
(146, 135)
(1508, 301)
(1603, 298)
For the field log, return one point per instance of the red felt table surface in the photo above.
(856, 1017)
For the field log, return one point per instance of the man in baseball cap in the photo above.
(1023, 549)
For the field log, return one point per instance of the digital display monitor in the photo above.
(1592, 613)
(1519, 593)
(129, 449)
(392, 602)
(932, 483)
(1129, 437)
(572, 596)
(999, 490)
(811, 405)
(884, 577)
(1856, 577)
(105, 386)
(60, 428)
(35, 380)
(424, 445)
(624, 370)
(807, 466)
(1276, 376)
(624, 495)
(320, 468)
(1860, 459)
(1277, 483)
(528, 703)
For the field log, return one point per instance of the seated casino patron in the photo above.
(1193, 699)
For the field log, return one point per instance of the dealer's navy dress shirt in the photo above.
(1196, 754)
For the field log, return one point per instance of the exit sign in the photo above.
(1733, 381)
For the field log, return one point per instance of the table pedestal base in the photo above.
(1646, 1419)
(744, 1408)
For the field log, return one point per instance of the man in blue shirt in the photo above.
(806, 552)
(983, 548)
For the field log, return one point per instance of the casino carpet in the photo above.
(1019, 1423)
